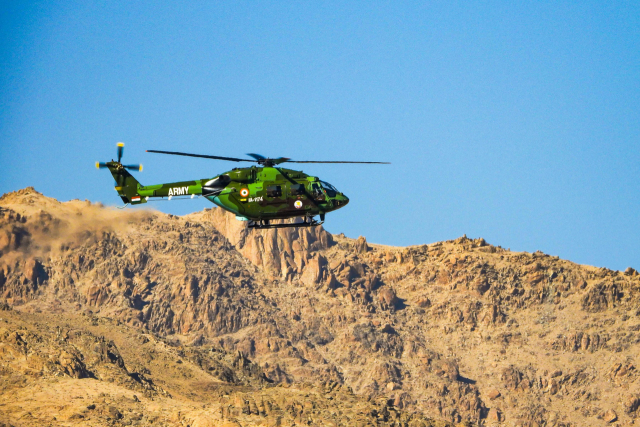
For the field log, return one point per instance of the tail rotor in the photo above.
(116, 164)
(126, 185)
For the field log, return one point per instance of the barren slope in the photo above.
(457, 331)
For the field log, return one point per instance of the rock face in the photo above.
(286, 324)
(56, 375)
(278, 252)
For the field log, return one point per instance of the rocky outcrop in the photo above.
(277, 251)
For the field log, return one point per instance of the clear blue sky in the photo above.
(518, 122)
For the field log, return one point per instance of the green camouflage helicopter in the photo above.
(257, 194)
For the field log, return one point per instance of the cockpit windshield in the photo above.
(329, 189)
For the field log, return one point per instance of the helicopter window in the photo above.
(330, 189)
(328, 186)
(297, 189)
(317, 192)
(274, 191)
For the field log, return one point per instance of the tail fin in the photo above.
(126, 185)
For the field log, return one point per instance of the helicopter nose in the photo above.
(342, 200)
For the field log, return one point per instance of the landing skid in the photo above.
(308, 222)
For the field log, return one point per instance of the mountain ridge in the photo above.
(457, 331)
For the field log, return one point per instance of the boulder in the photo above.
(493, 394)
(371, 282)
(389, 256)
(361, 245)
(423, 302)
(495, 415)
(331, 282)
(113, 412)
(34, 271)
(448, 369)
(610, 416)
(387, 297)
(631, 403)
(515, 379)
(312, 274)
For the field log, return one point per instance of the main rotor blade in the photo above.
(258, 158)
(313, 161)
(176, 153)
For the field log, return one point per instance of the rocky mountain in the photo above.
(207, 322)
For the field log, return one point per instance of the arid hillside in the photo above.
(208, 323)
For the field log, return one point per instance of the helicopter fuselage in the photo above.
(254, 193)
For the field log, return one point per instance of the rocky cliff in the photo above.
(349, 332)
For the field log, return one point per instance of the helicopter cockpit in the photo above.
(320, 188)
(329, 189)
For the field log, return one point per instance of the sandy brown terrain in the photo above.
(140, 318)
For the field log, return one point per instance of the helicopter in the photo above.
(257, 194)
